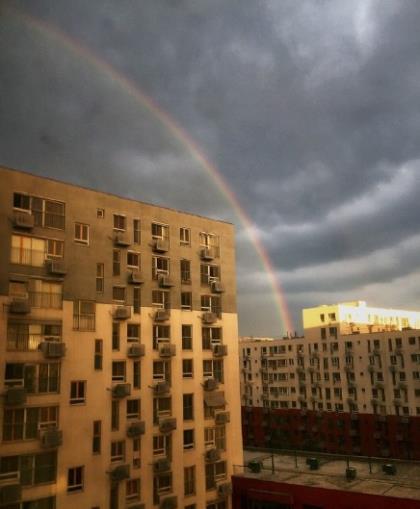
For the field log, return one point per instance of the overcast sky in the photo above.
(310, 110)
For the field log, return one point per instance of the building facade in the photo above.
(119, 359)
(351, 387)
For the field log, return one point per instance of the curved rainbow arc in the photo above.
(131, 88)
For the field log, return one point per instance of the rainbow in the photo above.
(131, 88)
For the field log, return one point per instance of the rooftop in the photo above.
(370, 479)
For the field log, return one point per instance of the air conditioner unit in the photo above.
(23, 219)
(120, 473)
(121, 239)
(56, 267)
(51, 438)
(162, 315)
(161, 466)
(210, 384)
(167, 350)
(160, 245)
(217, 287)
(224, 489)
(135, 429)
(136, 350)
(168, 503)
(167, 424)
(219, 350)
(10, 494)
(135, 278)
(53, 349)
(15, 396)
(222, 417)
(161, 388)
(122, 312)
(165, 282)
(389, 469)
(212, 455)
(209, 317)
(207, 253)
(121, 390)
(20, 306)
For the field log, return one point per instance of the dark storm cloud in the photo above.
(310, 109)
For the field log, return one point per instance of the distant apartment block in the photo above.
(119, 358)
(351, 385)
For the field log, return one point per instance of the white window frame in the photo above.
(81, 233)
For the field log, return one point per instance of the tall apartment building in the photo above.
(119, 354)
(351, 384)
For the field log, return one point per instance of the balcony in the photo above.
(221, 418)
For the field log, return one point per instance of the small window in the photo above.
(96, 441)
(21, 201)
(188, 439)
(133, 260)
(133, 409)
(115, 336)
(75, 479)
(136, 375)
(188, 406)
(118, 293)
(136, 300)
(120, 222)
(132, 490)
(133, 332)
(100, 213)
(189, 481)
(81, 233)
(136, 231)
(115, 415)
(100, 279)
(116, 262)
(118, 371)
(186, 301)
(187, 337)
(185, 237)
(117, 450)
(98, 354)
(185, 266)
(77, 392)
(187, 368)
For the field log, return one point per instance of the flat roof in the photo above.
(331, 473)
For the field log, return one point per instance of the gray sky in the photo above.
(310, 110)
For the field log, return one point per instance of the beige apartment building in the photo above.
(119, 359)
(352, 358)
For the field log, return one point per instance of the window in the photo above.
(133, 260)
(98, 354)
(208, 240)
(136, 375)
(47, 213)
(213, 369)
(100, 279)
(209, 273)
(132, 490)
(115, 415)
(160, 266)
(189, 480)
(187, 337)
(116, 262)
(25, 423)
(188, 439)
(118, 371)
(35, 378)
(84, 315)
(21, 201)
(160, 231)
(211, 303)
(81, 233)
(161, 334)
(133, 409)
(33, 468)
(117, 450)
(120, 222)
(161, 299)
(211, 336)
(96, 440)
(27, 337)
(161, 445)
(45, 294)
(75, 479)
(162, 484)
(133, 332)
(162, 370)
(78, 392)
(136, 231)
(188, 406)
(136, 453)
(186, 301)
(185, 237)
(136, 300)
(215, 472)
(118, 293)
(33, 252)
(100, 213)
(187, 368)
(115, 336)
(161, 408)
(185, 266)
(215, 437)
